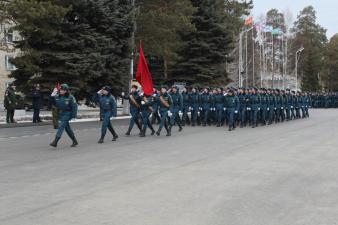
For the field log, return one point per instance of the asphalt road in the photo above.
(285, 174)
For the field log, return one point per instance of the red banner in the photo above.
(143, 75)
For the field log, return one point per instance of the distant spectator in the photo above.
(10, 103)
(37, 103)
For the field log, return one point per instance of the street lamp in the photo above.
(297, 59)
(240, 66)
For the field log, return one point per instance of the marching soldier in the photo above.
(134, 109)
(147, 102)
(219, 103)
(66, 103)
(186, 107)
(232, 106)
(288, 104)
(271, 106)
(165, 104)
(307, 104)
(108, 108)
(205, 99)
(264, 107)
(176, 108)
(278, 106)
(194, 100)
(242, 106)
(156, 117)
(255, 107)
(293, 105)
(297, 105)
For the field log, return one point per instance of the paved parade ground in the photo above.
(284, 174)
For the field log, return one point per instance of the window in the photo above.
(8, 63)
(9, 36)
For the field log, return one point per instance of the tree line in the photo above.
(89, 43)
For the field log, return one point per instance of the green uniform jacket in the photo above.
(10, 99)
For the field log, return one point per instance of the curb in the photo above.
(48, 122)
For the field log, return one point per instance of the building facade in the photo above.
(7, 53)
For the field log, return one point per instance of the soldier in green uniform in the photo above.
(10, 103)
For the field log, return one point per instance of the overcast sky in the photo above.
(327, 10)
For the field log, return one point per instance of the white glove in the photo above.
(190, 108)
(282, 107)
(180, 111)
(143, 102)
(259, 108)
(291, 107)
(236, 111)
(123, 94)
(154, 95)
(224, 109)
(268, 109)
(275, 108)
(169, 114)
(55, 91)
(141, 94)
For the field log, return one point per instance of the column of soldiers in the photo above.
(324, 100)
(196, 107)
(205, 107)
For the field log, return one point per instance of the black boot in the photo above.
(152, 132)
(180, 129)
(100, 141)
(168, 133)
(128, 132)
(75, 143)
(158, 133)
(143, 133)
(115, 137)
(55, 142)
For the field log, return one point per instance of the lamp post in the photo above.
(240, 66)
(299, 51)
(132, 57)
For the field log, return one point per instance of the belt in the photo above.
(62, 111)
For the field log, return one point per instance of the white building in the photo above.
(7, 52)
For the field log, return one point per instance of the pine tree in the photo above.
(203, 59)
(313, 38)
(159, 25)
(330, 75)
(85, 45)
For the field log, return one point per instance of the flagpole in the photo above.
(246, 59)
(272, 64)
(240, 60)
(253, 58)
